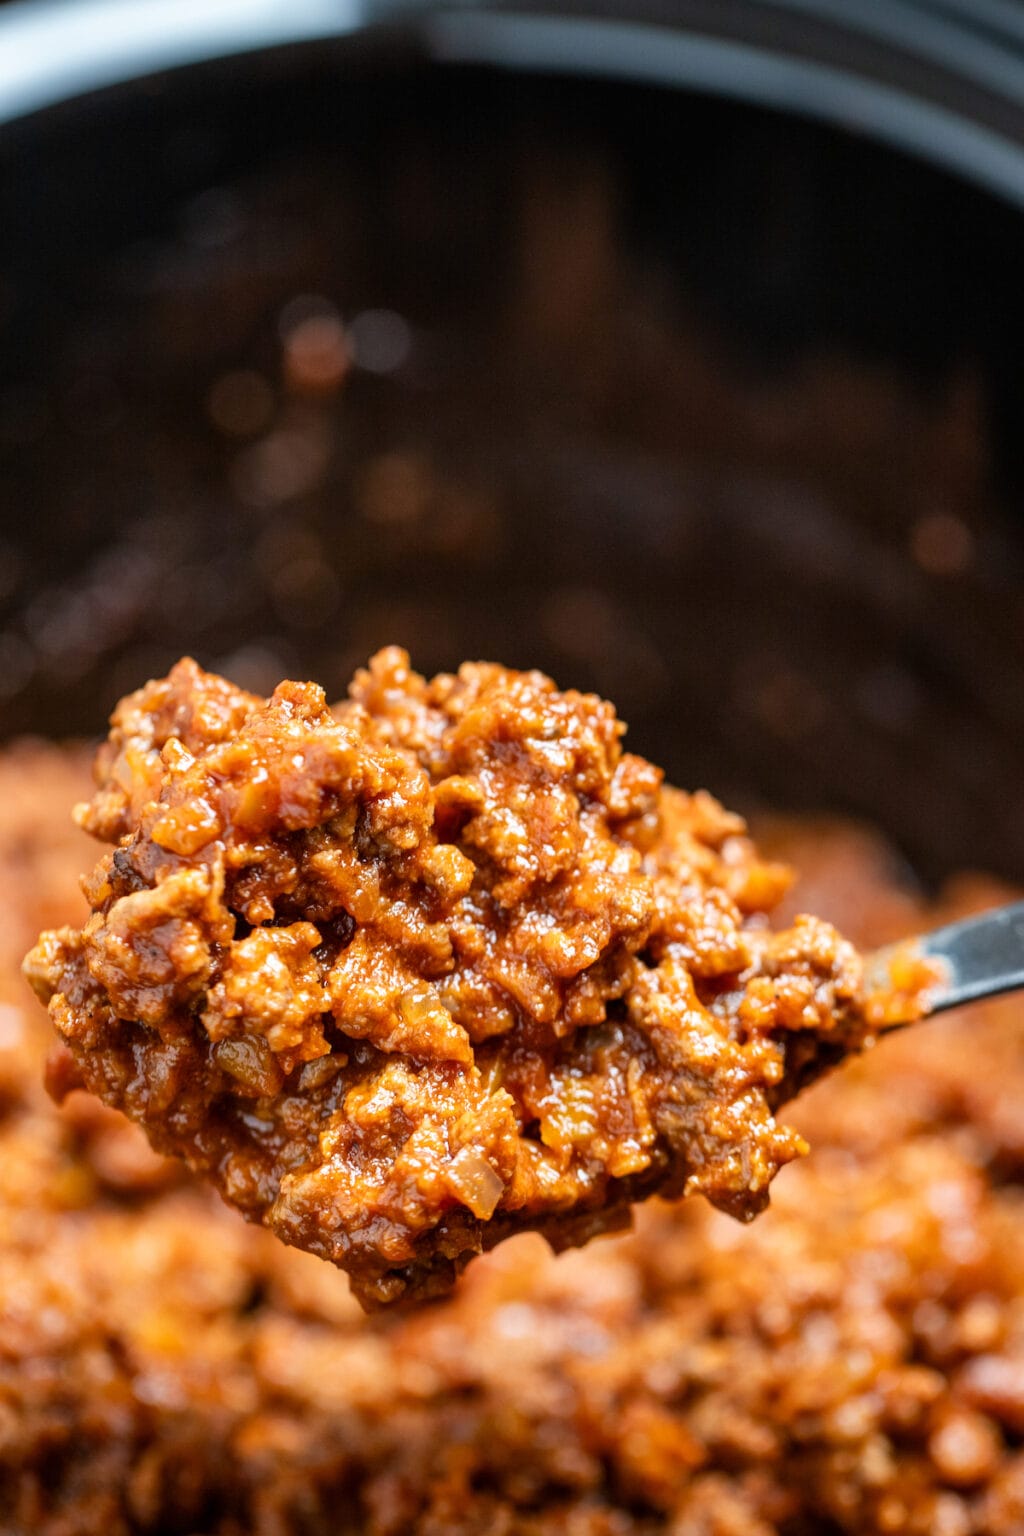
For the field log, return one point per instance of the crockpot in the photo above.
(673, 348)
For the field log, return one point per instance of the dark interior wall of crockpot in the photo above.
(712, 411)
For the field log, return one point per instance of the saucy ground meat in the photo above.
(441, 964)
(853, 1362)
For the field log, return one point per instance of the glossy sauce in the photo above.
(436, 967)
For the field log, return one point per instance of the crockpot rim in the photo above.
(57, 52)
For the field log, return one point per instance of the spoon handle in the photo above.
(978, 957)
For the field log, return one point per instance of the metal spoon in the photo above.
(979, 957)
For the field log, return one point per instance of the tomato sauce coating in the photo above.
(853, 1361)
(438, 965)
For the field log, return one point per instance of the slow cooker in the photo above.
(673, 348)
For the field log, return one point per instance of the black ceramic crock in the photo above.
(676, 349)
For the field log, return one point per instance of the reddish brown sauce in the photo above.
(852, 1362)
(439, 965)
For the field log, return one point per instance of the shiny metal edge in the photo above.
(723, 67)
(55, 50)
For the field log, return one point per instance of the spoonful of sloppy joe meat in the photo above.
(440, 963)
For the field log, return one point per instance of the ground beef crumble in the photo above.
(852, 1363)
(433, 967)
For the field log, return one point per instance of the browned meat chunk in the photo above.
(440, 964)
